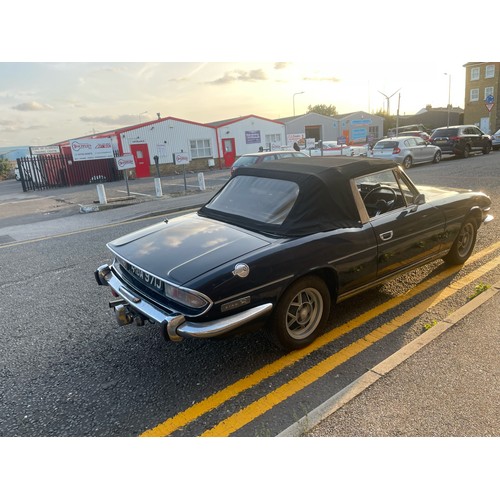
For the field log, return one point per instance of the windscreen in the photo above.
(386, 145)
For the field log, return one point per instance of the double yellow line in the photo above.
(236, 421)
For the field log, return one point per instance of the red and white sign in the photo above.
(91, 149)
(124, 162)
(490, 105)
(181, 158)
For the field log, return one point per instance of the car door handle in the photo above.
(386, 236)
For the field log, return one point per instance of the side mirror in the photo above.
(420, 199)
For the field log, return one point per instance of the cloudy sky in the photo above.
(42, 103)
(345, 61)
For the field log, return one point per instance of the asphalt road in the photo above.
(67, 368)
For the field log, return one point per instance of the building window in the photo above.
(488, 91)
(474, 95)
(474, 73)
(273, 141)
(490, 71)
(200, 148)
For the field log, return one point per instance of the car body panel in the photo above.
(193, 244)
(225, 268)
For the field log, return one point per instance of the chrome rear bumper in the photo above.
(175, 324)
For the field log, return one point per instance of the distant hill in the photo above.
(12, 153)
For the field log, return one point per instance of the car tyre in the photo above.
(464, 243)
(407, 162)
(466, 152)
(437, 157)
(487, 149)
(301, 314)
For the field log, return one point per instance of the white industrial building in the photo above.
(357, 128)
(247, 134)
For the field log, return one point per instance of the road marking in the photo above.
(89, 229)
(211, 402)
(138, 194)
(237, 420)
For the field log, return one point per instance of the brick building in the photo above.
(482, 92)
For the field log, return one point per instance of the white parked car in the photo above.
(495, 140)
(332, 148)
(407, 151)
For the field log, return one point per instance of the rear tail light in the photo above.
(396, 151)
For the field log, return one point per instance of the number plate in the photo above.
(146, 278)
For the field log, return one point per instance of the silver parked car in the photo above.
(407, 151)
(495, 140)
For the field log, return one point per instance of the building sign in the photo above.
(252, 136)
(300, 139)
(124, 162)
(45, 150)
(366, 121)
(359, 134)
(181, 158)
(91, 149)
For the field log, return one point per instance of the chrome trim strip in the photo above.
(224, 325)
(252, 290)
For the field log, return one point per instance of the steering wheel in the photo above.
(381, 205)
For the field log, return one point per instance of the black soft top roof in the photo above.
(325, 201)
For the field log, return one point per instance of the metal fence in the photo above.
(52, 171)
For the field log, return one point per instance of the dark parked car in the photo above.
(461, 140)
(252, 159)
(278, 246)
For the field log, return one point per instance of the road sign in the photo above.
(489, 101)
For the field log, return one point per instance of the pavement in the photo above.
(445, 383)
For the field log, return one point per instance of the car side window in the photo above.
(269, 158)
(381, 193)
(419, 141)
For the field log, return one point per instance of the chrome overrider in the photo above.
(130, 307)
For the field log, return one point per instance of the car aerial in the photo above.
(278, 246)
(495, 140)
(331, 148)
(461, 140)
(406, 151)
(251, 159)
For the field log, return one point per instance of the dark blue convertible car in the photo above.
(277, 246)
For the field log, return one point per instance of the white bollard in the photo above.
(201, 181)
(159, 192)
(102, 194)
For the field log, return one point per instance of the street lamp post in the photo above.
(449, 97)
(297, 93)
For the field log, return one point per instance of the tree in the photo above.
(323, 109)
(4, 168)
